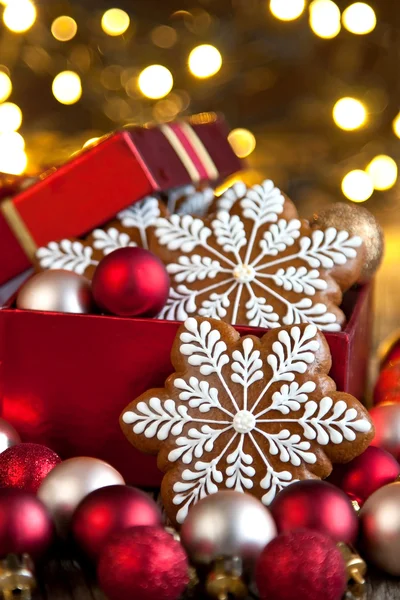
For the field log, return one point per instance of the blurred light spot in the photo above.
(111, 77)
(81, 57)
(14, 162)
(164, 36)
(11, 140)
(324, 18)
(10, 117)
(198, 21)
(205, 61)
(5, 86)
(383, 171)
(396, 125)
(359, 18)
(357, 186)
(117, 109)
(287, 10)
(242, 141)
(67, 87)
(349, 113)
(155, 81)
(90, 142)
(64, 28)
(184, 99)
(115, 21)
(19, 15)
(165, 110)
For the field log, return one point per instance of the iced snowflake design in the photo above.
(245, 414)
(188, 200)
(256, 265)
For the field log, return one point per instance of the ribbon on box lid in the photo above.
(106, 178)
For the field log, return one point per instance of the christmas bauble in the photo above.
(69, 482)
(301, 565)
(366, 473)
(357, 220)
(8, 436)
(317, 505)
(144, 563)
(380, 528)
(227, 524)
(25, 525)
(386, 420)
(131, 282)
(26, 465)
(57, 291)
(109, 510)
(387, 387)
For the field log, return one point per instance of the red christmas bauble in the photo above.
(386, 420)
(131, 282)
(388, 383)
(317, 505)
(366, 473)
(24, 466)
(109, 510)
(25, 525)
(301, 565)
(144, 563)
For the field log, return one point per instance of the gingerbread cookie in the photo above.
(248, 414)
(130, 228)
(190, 200)
(257, 264)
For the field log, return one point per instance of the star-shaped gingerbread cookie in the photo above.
(247, 414)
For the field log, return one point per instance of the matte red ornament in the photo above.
(131, 282)
(301, 565)
(145, 563)
(24, 466)
(109, 510)
(368, 472)
(25, 525)
(386, 419)
(317, 505)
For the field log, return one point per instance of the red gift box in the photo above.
(102, 180)
(66, 378)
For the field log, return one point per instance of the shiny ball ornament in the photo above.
(8, 436)
(69, 482)
(145, 563)
(301, 565)
(357, 220)
(387, 387)
(25, 525)
(386, 420)
(56, 291)
(366, 473)
(131, 282)
(380, 528)
(227, 523)
(110, 510)
(316, 505)
(26, 465)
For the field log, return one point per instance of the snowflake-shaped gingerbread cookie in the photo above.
(257, 264)
(130, 228)
(245, 414)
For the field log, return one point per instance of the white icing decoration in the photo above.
(225, 418)
(110, 239)
(190, 268)
(67, 254)
(229, 197)
(197, 203)
(140, 216)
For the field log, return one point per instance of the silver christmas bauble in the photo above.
(227, 524)
(8, 436)
(56, 291)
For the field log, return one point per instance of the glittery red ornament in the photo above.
(25, 525)
(109, 510)
(365, 474)
(301, 565)
(317, 505)
(131, 282)
(145, 563)
(24, 466)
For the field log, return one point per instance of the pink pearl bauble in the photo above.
(386, 420)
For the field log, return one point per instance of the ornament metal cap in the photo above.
(16, 577)
(356, 568)
(225, 579)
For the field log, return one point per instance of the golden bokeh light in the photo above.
(14, 162)
(164, 36)
(349, 114)
(155, 81)
(205, 61)
(10, 117)
(383, 171)
(324, 19)
(5, 86)
(115, 21)
(90, 142)
(357, 186)
(287, 10)
(19, 15)
(396, 125)
(242, 141)
(67, 87)
(359, 18)
(64, 28)
(11, 140)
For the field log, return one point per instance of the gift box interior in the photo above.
(65, 378)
